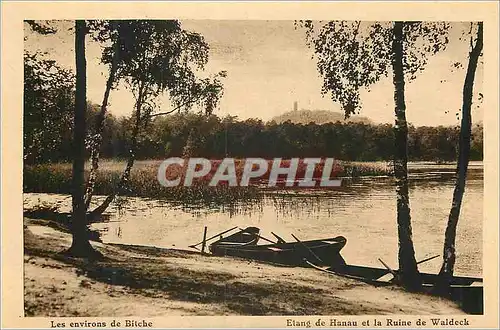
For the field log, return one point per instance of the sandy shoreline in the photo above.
(149, 281)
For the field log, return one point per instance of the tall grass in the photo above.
(56, 178)
(143, 182)
(363, 169)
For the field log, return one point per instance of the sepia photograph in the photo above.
(250, 167)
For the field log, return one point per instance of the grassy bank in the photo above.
(149, 281)
(56, 178)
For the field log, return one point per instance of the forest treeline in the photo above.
(198, 135)
(48, 122)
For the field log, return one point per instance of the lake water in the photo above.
(364, 211)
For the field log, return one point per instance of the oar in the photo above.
(388, 268)
(430, 258)
(394, 272)
(208, 239)
(280, 240)
(308, 249)
(265, 239)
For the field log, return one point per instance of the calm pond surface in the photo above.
(364, 211)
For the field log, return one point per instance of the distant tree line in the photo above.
(197, 135)
(214, 137)
(49, 102)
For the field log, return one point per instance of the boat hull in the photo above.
(466, 291)
(293, 254)
(244, 237)
(378, 275)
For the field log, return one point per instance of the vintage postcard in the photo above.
(250, 165)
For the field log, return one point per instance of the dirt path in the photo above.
(148, 281)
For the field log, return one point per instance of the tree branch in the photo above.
(191, 100)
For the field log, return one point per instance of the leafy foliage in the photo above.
(352, 55)
(156, 57)
(43, 27)
(48, 109)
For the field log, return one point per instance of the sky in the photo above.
(269, 67)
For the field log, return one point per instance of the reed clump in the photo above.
(143, 182)
(366, 169)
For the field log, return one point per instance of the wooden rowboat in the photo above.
(466, 290)
(293, 254)
(382, 276)
(244, 237)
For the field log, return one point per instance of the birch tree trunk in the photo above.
(97, 139)
(130, 162)
(449, 255)
(409, 275)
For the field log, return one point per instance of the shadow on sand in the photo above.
(146, 271)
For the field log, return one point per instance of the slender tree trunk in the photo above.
(80, 246)
(130, 162)
(97, 140)
(448, 265)
(409, 275)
